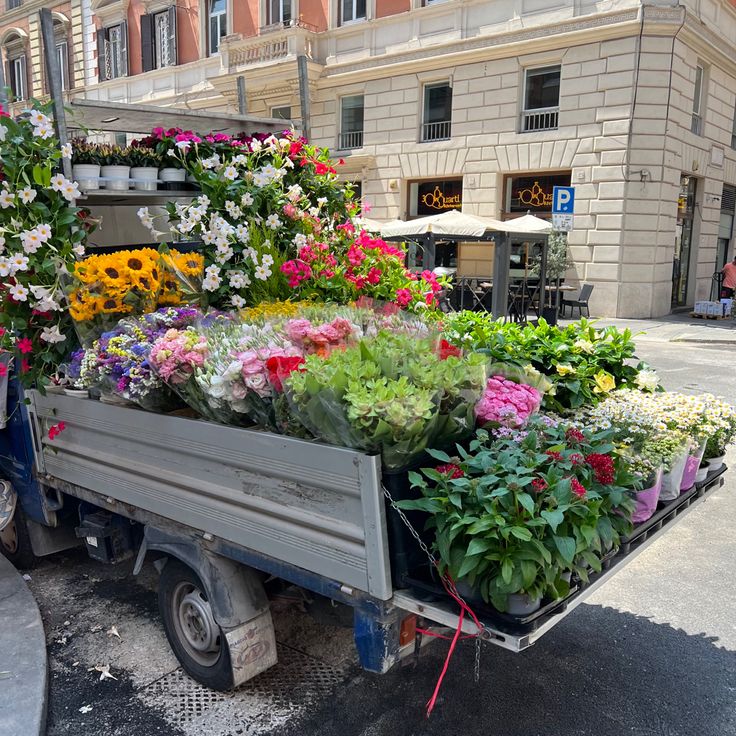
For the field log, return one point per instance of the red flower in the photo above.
(603, 467)
(341, 162)
(451, 470)
(3, 369)
(2, 331)
(282, 367)
(574, 435)
(577, 488)
(445, 350)
(553, 456)
(25, 345)
(56, 429)
(539, 484)
(577, 459)
(25, 366)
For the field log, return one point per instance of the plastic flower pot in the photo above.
(145, 178)
(702, 473)
(116, 178)
(672, 479)
(646, 500)
(171, 177)
(692, 463)
(520, 604)
(715, 463)
(80, 393)
(87, 176)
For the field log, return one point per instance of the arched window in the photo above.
(16, 72)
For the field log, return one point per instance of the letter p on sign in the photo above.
(563, 200)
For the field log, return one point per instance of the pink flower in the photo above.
(507, 403)
(403, 297)
(577, 488)
(25, 345)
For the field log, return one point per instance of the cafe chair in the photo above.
(581, 302)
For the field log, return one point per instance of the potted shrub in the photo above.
(85, 164)
(115, 168)
(144, 163)
(525, 509)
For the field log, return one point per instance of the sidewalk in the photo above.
(23, 669)
(676, 328)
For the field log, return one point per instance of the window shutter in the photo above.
(101, 61)
(25, 83)
(148, 50)
(124, 47)
(172, 35)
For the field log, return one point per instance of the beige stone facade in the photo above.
(621, 132)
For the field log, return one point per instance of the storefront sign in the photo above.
(533, 193)
(433, 198)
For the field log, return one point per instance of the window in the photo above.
(696, 125)
(436, 122)
(62, 54)
(279, 11)
(17, 76)
(217, 18)
(281, 113)
(352, 10)
(158, 39)
(12, 4)
(112, 51)
(351, 122)
(733, 131)
(541, 99)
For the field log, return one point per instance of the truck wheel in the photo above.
(15, 543)
(197, 641)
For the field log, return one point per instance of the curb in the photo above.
(702, 341)
(23, 664)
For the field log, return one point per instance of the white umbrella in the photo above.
(372, 226)
(453, 223)
(527, 224)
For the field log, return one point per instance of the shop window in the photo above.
(541, 99)
(352, 11)
(282, 113)
(532, 192)
(696, 124)
(279, 12)
(216, 24)
(158, 39)
(112, 51)
(435, 196)
(351, 122)
(437, 117)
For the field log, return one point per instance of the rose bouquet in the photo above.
(506, 403)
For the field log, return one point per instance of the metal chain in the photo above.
(433, 560)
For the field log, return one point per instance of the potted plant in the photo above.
(115, 167)
(723, 420)
(524, 509)
(702, 473)
(144, 163)
(85, 164)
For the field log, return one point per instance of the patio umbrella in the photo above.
(372, 226)
(453, 224)
(528, 225)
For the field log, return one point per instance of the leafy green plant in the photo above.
(113, 155)
(521, 509)
(84, 152)
(143, 157)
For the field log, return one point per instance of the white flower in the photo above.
(269, 171)
(584, 346)
(263, 272)
(260, 179)
(183, 146)
(236, 279)
(52, 334)
(211, 283)
(224, 254)
(300, 240)
(5, 267)
(647, 380)
(321, 201)
(240, 160)
(294, 193)
(18, 262)
(246, 200)
(230, 172)
(203, 201)
(66, 150)
(255, 145)
(2, 243)
(19, 292)
(211, 162)
(58, 182)
(267, 260)
(44, 232)
(3, 133)
(78, 250)
(70, 191)
(237, 301)
(242, 234)
(27, 195)
(251, 253)
(44, 131)
(38, 118)
(30, 240)
(6, 199)
(273, 222)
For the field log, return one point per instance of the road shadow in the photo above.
(601, 672)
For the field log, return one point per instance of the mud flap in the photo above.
(252, 648)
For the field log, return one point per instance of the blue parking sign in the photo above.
(563, 200)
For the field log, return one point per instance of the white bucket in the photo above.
(144, 178)
(87, 176)
(171, 174)
(117, 178)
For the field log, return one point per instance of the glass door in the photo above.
(683, 240)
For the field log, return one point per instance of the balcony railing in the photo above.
(354, 139)
(543, 118)
(436, 131)
(275, 44)
(696, 124)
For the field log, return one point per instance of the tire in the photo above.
(195, 638)
(15, 542)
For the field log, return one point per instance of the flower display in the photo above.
(507, 403)
(40, 233)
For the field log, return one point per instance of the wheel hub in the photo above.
(197, 622)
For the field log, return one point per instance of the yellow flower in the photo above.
(604, 381)
(565, 369)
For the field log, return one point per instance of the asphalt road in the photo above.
(653, 653)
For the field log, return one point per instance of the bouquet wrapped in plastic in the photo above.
(182, 274)
(118, 362)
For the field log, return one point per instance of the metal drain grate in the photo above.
(257, 707)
